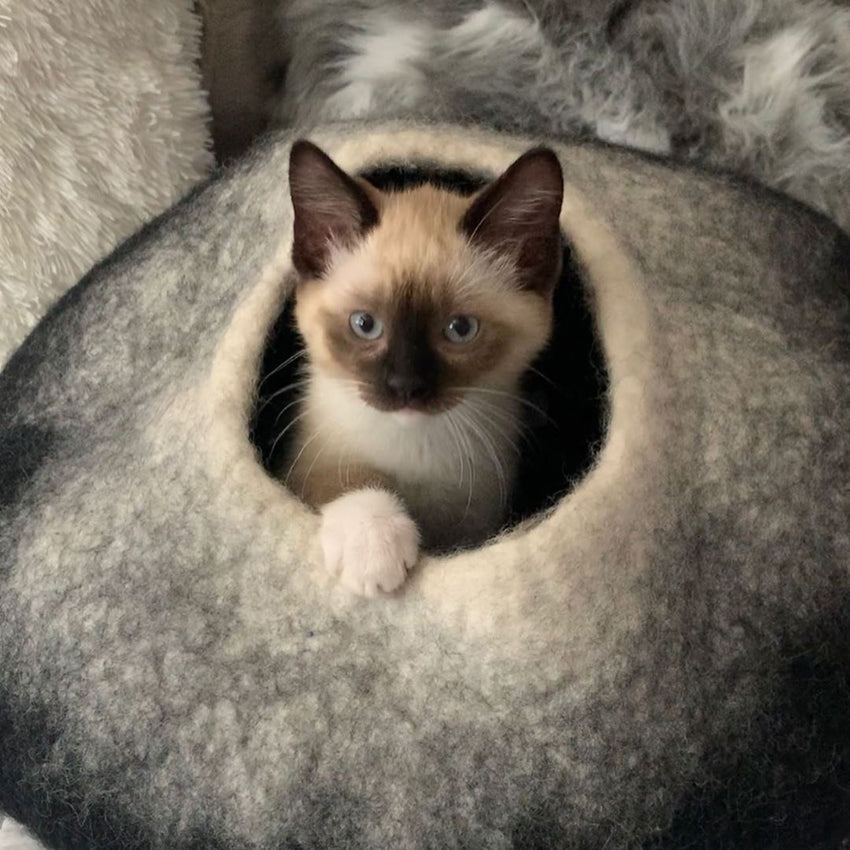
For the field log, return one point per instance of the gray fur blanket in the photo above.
(660, 660)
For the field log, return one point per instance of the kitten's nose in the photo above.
(407, 388)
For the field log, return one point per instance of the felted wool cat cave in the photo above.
(658, 659)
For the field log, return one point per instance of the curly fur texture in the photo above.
(761, 87)
(661, 661)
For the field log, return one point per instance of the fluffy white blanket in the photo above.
(104, 124)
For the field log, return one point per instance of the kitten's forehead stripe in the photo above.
(419, 300)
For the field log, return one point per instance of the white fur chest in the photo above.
(454, 470)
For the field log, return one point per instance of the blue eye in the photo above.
(461, 329)
(365, 325)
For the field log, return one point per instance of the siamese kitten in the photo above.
(420, 311)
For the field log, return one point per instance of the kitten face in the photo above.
(415, 296)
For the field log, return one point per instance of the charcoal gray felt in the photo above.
(658, 661)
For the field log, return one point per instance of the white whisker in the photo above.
(514, 396)
(339, 469)
(500, 432)
(453, 432)
(298, 456)
(485, 217)
(465, 457)
(300, 353)
(485, 439)
(281, 391)
(281, 434)
(544, 377)
(309, 468)
(490, 408)
(282, 411)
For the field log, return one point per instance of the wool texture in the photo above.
(660, 661)
(103, 127)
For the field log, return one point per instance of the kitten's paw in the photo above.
(369, 541)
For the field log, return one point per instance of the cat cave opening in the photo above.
(564, 393)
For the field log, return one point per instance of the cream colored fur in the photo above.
(104, 125)
(453, 470)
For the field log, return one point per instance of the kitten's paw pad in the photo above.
(369, 541)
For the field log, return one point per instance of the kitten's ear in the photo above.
(330, 207)
(517, 214)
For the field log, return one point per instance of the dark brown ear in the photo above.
(517, 215)
(330, 208)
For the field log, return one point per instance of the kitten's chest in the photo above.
(454, 486)
(408, 454)
(454, 471)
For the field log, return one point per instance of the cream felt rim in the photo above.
(522, 557)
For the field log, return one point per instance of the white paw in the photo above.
(369, 541)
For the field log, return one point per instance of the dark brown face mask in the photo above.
(407, 347)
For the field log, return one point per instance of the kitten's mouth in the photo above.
(410, 410)
(409, 415)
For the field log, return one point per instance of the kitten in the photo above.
(420, 311)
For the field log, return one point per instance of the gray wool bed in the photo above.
(658, 659)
